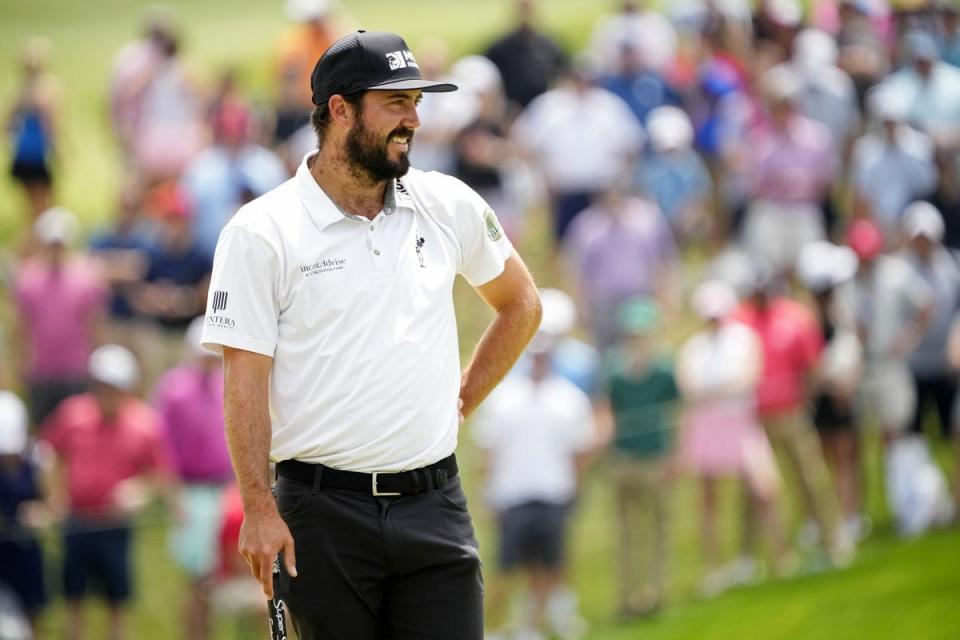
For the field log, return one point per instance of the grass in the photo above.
(896, 588)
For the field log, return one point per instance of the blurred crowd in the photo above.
(751, 212)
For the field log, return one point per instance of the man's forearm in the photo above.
(498, 349)
(248, 432)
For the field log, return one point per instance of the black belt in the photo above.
(419, 480)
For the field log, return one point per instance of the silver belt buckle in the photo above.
(376, 491)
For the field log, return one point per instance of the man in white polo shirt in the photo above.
(331, 299)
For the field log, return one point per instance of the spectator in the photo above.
(314, 29)
(642, 88)
(133, 62)
(636, 417)
(443, 116)
(826, 94)
(580, 137)
(529, 61)
(123, 251)
(791, 164)
(574, 359)
(825, 269)
(189, 400)
(31, 122)
(892, 165)
(60, 302)
(536, 430)
(674, 175)
(111, 457)
(617, 249)
(483, 148)
(931, 89)
(718, 371)
(946, 198)
(933, 378)
(863, 33)
(642, 30)
(235, 592)
(950, 33)
(892, 306)
(217, 181)
(25, 506)
(170, 123)
(792, 346)
(174, 289)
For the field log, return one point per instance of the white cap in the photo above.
(822, 265)
(477, 74)
(669, 128)
(714, 299)
(559, 312)
(115, 366)
(13, 424)
(885, 103)
(781, 83)
(787, 13)
(306, 10)
(193, 339)
(57, 225)
(814, 49)
(923, 219)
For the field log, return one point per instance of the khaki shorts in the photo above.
(776, 231)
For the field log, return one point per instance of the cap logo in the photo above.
(401, 60)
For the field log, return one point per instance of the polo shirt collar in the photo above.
(325, 211)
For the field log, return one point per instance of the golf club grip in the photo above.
(276, 608)
(278, 622)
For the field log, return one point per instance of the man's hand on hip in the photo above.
(263, 535)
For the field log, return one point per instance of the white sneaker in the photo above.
(808, 536)
(563, 614)
(744, 570)
(715, 582)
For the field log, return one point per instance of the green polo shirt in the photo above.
(643, 405)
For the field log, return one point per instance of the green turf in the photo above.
(896, 589)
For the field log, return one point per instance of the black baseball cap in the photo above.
(369, 60)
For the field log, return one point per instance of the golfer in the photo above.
(331, 299)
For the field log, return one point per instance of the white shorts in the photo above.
(887, 395)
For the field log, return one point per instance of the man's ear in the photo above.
(341, 111)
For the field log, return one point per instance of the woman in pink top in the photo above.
(718, 371)
(60, 299)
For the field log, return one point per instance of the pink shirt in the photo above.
(190, 403)
(794, 165)
(57, 311)
(791, 342)
(96, 455)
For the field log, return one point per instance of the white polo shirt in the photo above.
(357, 315)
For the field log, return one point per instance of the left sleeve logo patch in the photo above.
(219, 301)
(493, 226)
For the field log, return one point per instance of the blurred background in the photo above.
(738, 418)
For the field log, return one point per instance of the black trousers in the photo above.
(370, 567)
(939, 392)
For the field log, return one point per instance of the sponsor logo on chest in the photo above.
(325, 265)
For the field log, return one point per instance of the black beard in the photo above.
(370, 155)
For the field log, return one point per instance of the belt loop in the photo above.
(317, 479)
(416, 482)
(429, 476)
(441, 477)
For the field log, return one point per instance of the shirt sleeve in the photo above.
(484, 244)
(242, 306)
(583, 435)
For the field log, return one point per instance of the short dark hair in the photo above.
(320, 118)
